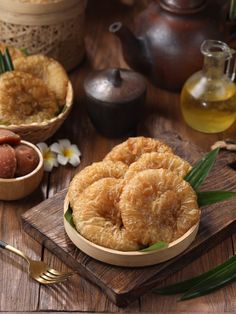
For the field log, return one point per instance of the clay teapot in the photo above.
(165, 44)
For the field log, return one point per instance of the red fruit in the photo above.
(27, 159)
(7, 161)
(8, 137)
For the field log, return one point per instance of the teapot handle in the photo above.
(231, 65)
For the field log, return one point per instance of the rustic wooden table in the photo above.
(18, 293)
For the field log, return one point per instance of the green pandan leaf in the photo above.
(156, 246)
(8, 61)
(25, 51)
(186, 285)
(212, 282)
(232, 10)
(212, 197)
(2, 66)
(5, 62)
(200, 171)
(69, 218)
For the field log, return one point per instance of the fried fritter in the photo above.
(97, 216)
(157, 161)
(158, 205)
(130, 150)
(92, 173)
(25, 99)
(47, 69)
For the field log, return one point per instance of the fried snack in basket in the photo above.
(130, 150)
(93, 173)
(97, 216)
(47, 69)
(157, 161)
(158, 205)
(25, 99)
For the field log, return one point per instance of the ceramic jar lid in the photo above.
(115, 85)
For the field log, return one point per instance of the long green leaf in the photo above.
(156, 246)
(212, 197)
(8, 61)
(2, 66)
(232, 10)
(68, 216)
(212, 282)
(200, 171)
(188, 284)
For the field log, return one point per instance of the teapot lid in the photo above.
(115, 85)
(183, 6)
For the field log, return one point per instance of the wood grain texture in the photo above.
(123, 285)
(13, 275)
(17, 291)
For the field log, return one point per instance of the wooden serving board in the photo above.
(122, 285)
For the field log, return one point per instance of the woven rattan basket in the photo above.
(38, 132)
(51, 27)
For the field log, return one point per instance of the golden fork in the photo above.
(38, 270)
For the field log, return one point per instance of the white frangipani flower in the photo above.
(66, 152)
(49, 157)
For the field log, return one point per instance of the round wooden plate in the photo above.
(129, 259)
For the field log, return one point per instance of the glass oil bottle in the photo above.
(208, 98)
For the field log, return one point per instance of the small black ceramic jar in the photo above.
(115, 100)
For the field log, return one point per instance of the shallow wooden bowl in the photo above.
(129, 259)
(17, 188)
(39, 132)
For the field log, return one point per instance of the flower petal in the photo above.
(75, 149)
(48, 165)
(64, 143)
(74, 160)
(62, 159)
(43, 147)
(56, 148)
(52, 157)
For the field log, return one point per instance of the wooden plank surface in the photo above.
(17, 291)
(123, 285)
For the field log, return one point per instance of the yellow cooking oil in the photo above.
(208, 98)
(209, 109)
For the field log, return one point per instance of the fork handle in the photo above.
(10, 248)
(3, 244)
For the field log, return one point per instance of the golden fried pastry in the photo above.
(97, 216)
(47, 69)
(130, 150)
(92, 173)
(25, 99)
(14, 52)
(159, 160)
(158, 205)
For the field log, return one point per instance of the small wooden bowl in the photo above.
(129, 259)
(39, 132)
(17, 188)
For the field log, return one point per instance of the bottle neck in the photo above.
(213, 68)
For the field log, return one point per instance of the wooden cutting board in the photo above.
(122, 285)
